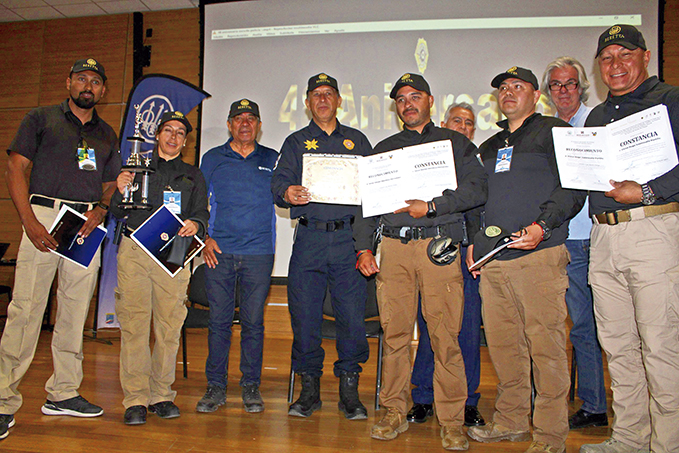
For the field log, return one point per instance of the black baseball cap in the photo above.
(244, 106)
(623, 35)
(488, 239)
(412, 80)
(320, 80)
(89, 64)
(175, 116)
(516, 72)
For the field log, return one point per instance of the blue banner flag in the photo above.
(155, 94)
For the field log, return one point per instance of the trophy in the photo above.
(137, 163)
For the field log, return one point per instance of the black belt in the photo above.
(405, 234)
(330, 225)
(49, 203)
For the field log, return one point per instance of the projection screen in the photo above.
(266, 50)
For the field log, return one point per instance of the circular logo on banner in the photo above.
(151, 109)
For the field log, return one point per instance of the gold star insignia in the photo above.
(311, 144)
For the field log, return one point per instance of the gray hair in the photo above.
(462, 105)
(562, 62)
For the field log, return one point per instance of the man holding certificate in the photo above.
(323, 256)
(420, 256)
(634, 263)
(53, 139)
(524, 310)
(145, 290)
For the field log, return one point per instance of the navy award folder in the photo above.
(72, 246)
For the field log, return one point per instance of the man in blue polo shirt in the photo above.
(240, 247)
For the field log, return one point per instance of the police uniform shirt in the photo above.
(530, 189)
(242, 215)
(651, 92)
(471, 188)
(49, 137)
(175, 176)
(288, 171)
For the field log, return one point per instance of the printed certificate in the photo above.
(638, 148)
(331, 178)
(419, 172)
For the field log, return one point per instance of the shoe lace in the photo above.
(392, 416)
(251, 392)
(212, 392)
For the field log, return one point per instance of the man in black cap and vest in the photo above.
(406, 271)
(634, 263)
(523, 291)
(75, 162)
(323, 256)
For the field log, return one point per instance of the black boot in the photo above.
(349, 403)
(309, 399)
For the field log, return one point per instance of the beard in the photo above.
(84, 103)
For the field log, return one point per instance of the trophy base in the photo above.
(137, 169)
(134, 206)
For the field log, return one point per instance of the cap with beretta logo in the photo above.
(488, 239)
(89, 64)
(175, 116)
(244, 106)
(320, 80)
(516, 72)
(412, 80)
(626, 36)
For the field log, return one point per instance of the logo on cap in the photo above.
(322, 77)
(614, 29)
(493, 231)
(179, 114)
(92, 61)
(405, 76)
(512, 70)
(244, 103)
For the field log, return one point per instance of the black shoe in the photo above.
(75, 407)
(6, 422)
(309, 399)
(135, 415)
(165, 409)
(349, 403)
(472, 417)
(214, 397)
(583, 419)
(420, 413)
(252, 399)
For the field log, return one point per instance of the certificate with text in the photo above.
(638, 148)
(331, 178)
(419, 172)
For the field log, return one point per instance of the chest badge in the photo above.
(311, 144)
(348, 144)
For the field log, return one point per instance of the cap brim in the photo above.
(625, 44)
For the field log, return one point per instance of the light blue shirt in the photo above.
(581, 224)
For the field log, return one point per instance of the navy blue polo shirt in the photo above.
(242, 216)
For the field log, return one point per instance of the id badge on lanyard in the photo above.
(173, 201)
(87, 160)
(504, 159)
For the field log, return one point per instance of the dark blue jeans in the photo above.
(470, 344)
(591, 387)
(321, 259)
(254, 273)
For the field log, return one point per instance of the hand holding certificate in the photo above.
(637, 148)
(72, 246)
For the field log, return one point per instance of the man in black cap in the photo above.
(75, 162)
(240, 247)
(145, 291)
(634, 263)
(323, 256)
(406, 271)
(524, 310)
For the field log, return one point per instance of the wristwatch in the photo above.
(546, 231)
(647, 195)
(103, 206)
(431, 211)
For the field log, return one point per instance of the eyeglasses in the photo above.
(570, 86)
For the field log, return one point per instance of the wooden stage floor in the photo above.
(230, 428)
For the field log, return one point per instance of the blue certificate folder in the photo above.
(71, 246)
(156, 234)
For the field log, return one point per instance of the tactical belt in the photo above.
(330, 225)
(49, 203)
(405, 234)
(627, 215)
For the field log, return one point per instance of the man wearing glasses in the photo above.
(565, 84)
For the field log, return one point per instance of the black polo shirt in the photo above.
(49, 137)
